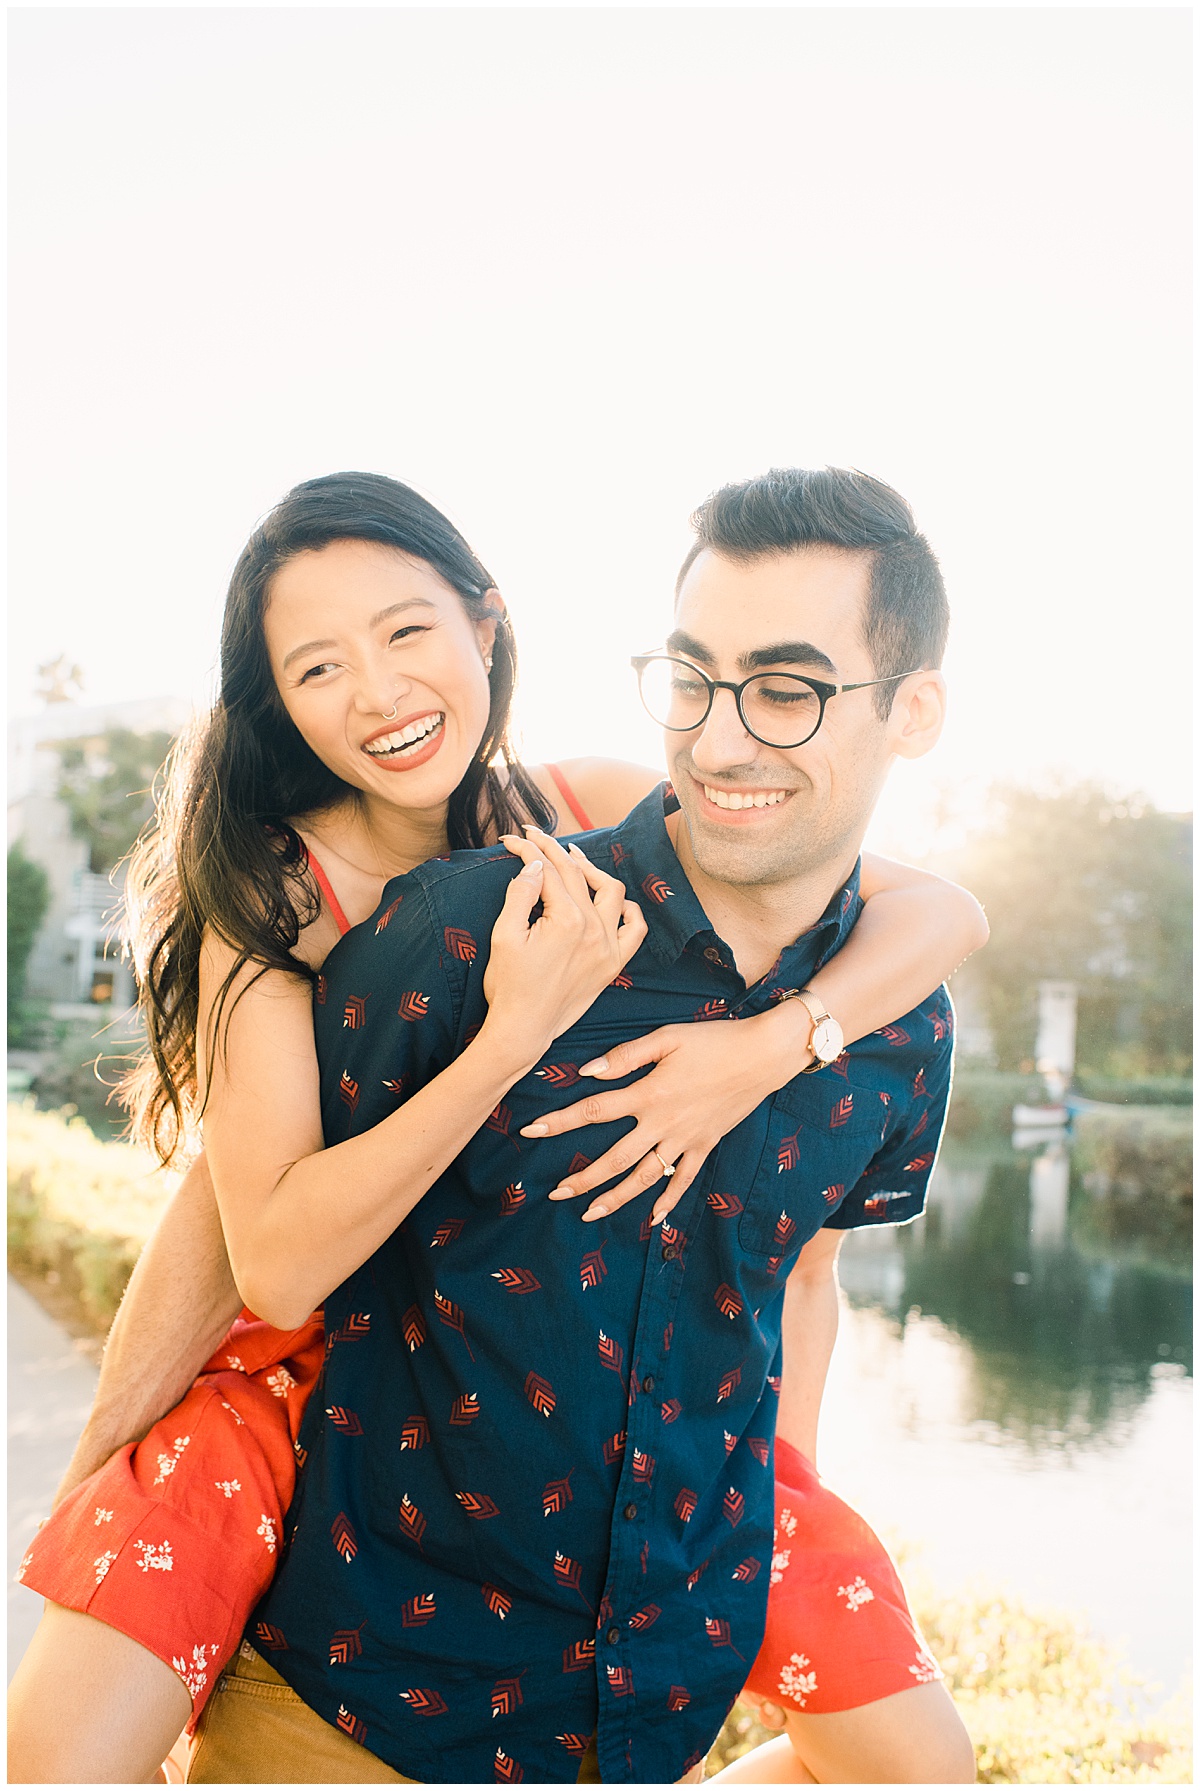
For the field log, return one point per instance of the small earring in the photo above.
(487, 664)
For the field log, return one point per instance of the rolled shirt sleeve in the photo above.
(892, 1189)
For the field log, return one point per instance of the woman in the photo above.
(367, 673)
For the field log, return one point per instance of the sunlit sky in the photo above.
(567, 270)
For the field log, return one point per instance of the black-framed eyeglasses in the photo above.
(776, 708)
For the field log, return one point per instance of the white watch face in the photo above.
(826, 1042)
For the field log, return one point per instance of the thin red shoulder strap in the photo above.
(326, 889)
(570, 798)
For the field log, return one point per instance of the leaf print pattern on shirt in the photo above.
(592, 1269)
(345, 1645)
(424, 1701)
(611, 1353)
(556, 1495)
(506, 1695)
(497, 1602)
(539, 1393)
(452, 1315)
(344, 1539)
(417, 1612)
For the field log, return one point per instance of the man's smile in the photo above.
(727, 801)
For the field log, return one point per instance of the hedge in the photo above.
(79, 1209)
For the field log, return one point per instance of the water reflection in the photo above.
(1063, 1336)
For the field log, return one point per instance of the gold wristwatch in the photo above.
(825, 1041)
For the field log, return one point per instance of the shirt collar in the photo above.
(645, 860)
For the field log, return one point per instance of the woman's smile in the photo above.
(407, 742)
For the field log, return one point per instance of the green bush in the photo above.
(82, 1074)
(983, 1099)
(28, 899)
(79, 1209)
(982, 1102)
(1137, 1167)
(1143, 1091)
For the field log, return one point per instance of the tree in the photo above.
(28, 900)
(1095, 889)
(107, 786)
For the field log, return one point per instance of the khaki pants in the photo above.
(257, 1731)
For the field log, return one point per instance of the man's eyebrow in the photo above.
(757, 659)
(382, 616)
(687, 643)
(787, 653)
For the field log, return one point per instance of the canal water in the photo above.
(1012, 1398)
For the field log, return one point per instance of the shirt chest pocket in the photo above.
(820, 1138)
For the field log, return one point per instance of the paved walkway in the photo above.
(50, 1389)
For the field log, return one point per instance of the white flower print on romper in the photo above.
(155, 1555)
(781, 1557)
(795, 1683)
(926, 1668)
(167, 1463)
(194, 1673)
(856, 1594)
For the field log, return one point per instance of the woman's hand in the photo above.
(708, 1076)
(542, 977)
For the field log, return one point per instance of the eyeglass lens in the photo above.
(778, 709)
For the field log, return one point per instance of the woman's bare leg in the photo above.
(915, 1737)
(773, 1763)
(89, 1706)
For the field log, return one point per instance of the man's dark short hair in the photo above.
(905, 617)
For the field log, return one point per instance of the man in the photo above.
(536, 1501)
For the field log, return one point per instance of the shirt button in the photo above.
(613, 1637)
(670, 1252)
(631, 1512)
(648, 1384)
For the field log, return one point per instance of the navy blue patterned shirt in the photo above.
(536, 1490)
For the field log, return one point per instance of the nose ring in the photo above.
(390, 715)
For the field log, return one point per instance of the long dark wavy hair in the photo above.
(221, 851)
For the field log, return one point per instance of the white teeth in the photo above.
(737, 799)
(407, 736)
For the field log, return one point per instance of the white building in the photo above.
(75, 964)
